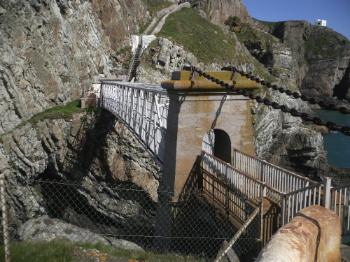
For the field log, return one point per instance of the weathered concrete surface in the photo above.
(189, 120)
(297, 241)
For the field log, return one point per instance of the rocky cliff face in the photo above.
(89, 160)
(51, 50)
(323, 57)
(276, 132)
(217, 11)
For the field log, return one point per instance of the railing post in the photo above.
(327, 193)
(262, 235)
(262, 179)
(233, 157)
(283, 210)
(227, 205)
(199, 171)
(4, 218)
(264, 190)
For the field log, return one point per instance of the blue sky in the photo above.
(336, 12)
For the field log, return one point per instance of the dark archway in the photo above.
(222, 145)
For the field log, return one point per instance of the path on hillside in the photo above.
(154, 28)
(161, 16)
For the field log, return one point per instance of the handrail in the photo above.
(301, 190)
(238, 234)
(341, 187)
(275, 166)
(244, 174)
(150, 88)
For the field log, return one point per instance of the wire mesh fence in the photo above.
(125, 217)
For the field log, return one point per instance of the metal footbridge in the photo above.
(236, 188)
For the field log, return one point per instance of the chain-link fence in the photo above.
(122, 216)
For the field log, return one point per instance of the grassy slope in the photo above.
(64, 251)
(324, 43)
(248, 34)
(320, 42)
(206, 41)
(58, 112)
(154, 6)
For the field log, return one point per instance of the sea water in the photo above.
(336, 144)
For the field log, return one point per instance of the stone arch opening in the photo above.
(222, 145)
(218, 143)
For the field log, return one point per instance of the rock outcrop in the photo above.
(50, 50)
(161, 59)
(56, 164)
(323, 58)
(218, 11)
(48, 229)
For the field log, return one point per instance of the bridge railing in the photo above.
(252, 188)
(293, 202)
(143, 109)
(340, 204)
(276, 177)
(231, 188)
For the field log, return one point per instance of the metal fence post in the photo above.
(4, 218)
(327, 195)
(262, 235)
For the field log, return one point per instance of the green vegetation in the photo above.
(323, 43)
(205, 40)
(249, 35)
(64, 251)
(233, 22)
(154, 6)
(58, 112)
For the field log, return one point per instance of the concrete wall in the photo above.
(190, 118)
(297, 241)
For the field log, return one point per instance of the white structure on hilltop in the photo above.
(321, 22)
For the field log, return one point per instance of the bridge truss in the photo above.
(144, 109)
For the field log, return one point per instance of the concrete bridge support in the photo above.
(313, 235)
(190, 118)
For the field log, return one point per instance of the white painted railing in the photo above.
(143, 108)
(340, 204)
(276, 177)
(251, 187)
(295, 201)
(248, 186)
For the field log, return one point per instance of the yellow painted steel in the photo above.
(182, 81)
(191, 84)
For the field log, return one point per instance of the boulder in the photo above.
(48, 229)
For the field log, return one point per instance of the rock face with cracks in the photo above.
(47, 229)
(79, 170)
(50, 50)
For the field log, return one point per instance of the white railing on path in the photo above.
(143, 108)
(276, 177)
(340, 204)
(269, 183)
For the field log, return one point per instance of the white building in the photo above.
(321, 22)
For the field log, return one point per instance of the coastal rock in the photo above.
(86, 155)
(48, 229)
(50, 50)
(218, 11)
(323, 58)
(172, 57)
(161, 60)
